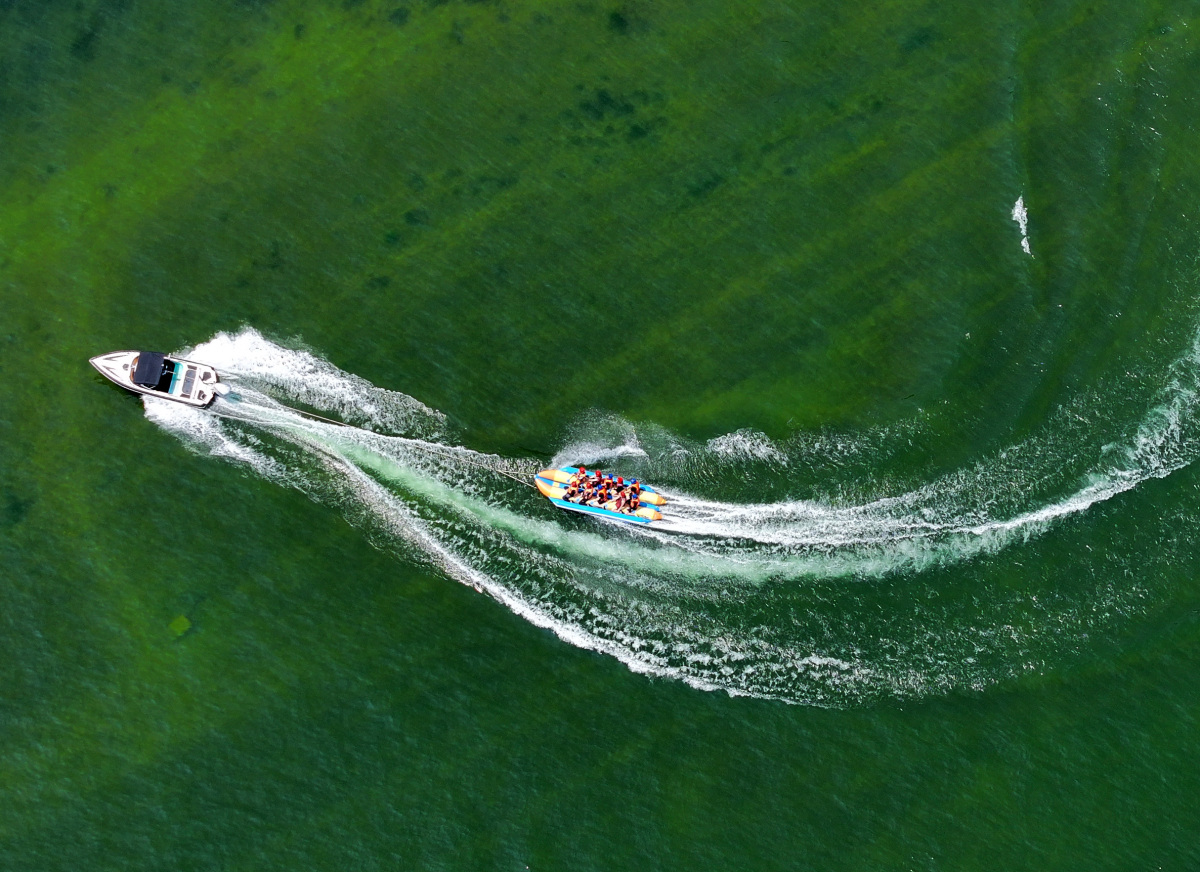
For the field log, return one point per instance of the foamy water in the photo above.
(1021, 215)
(756, 599)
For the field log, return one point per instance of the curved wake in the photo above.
(710, 596)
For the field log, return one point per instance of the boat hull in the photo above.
(550, 483)
(190, 383)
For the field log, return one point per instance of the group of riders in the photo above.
(604, 492)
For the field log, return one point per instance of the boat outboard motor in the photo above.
(225, 392)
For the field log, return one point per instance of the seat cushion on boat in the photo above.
(149, 369)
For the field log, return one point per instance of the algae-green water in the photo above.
(895, 301)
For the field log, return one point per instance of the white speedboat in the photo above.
(160, 375)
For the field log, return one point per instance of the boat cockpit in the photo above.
(152, 370)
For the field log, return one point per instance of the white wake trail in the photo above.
(715, 595)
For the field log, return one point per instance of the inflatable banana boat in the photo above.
(552, 484)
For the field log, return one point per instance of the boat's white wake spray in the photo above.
(721, 595)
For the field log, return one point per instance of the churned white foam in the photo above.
(747, 444)
(204, 432)
(720, 594)
(248, 357)
(602, 439)
(1021, 215)
(594, 453)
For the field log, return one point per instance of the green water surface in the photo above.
(789, 217)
